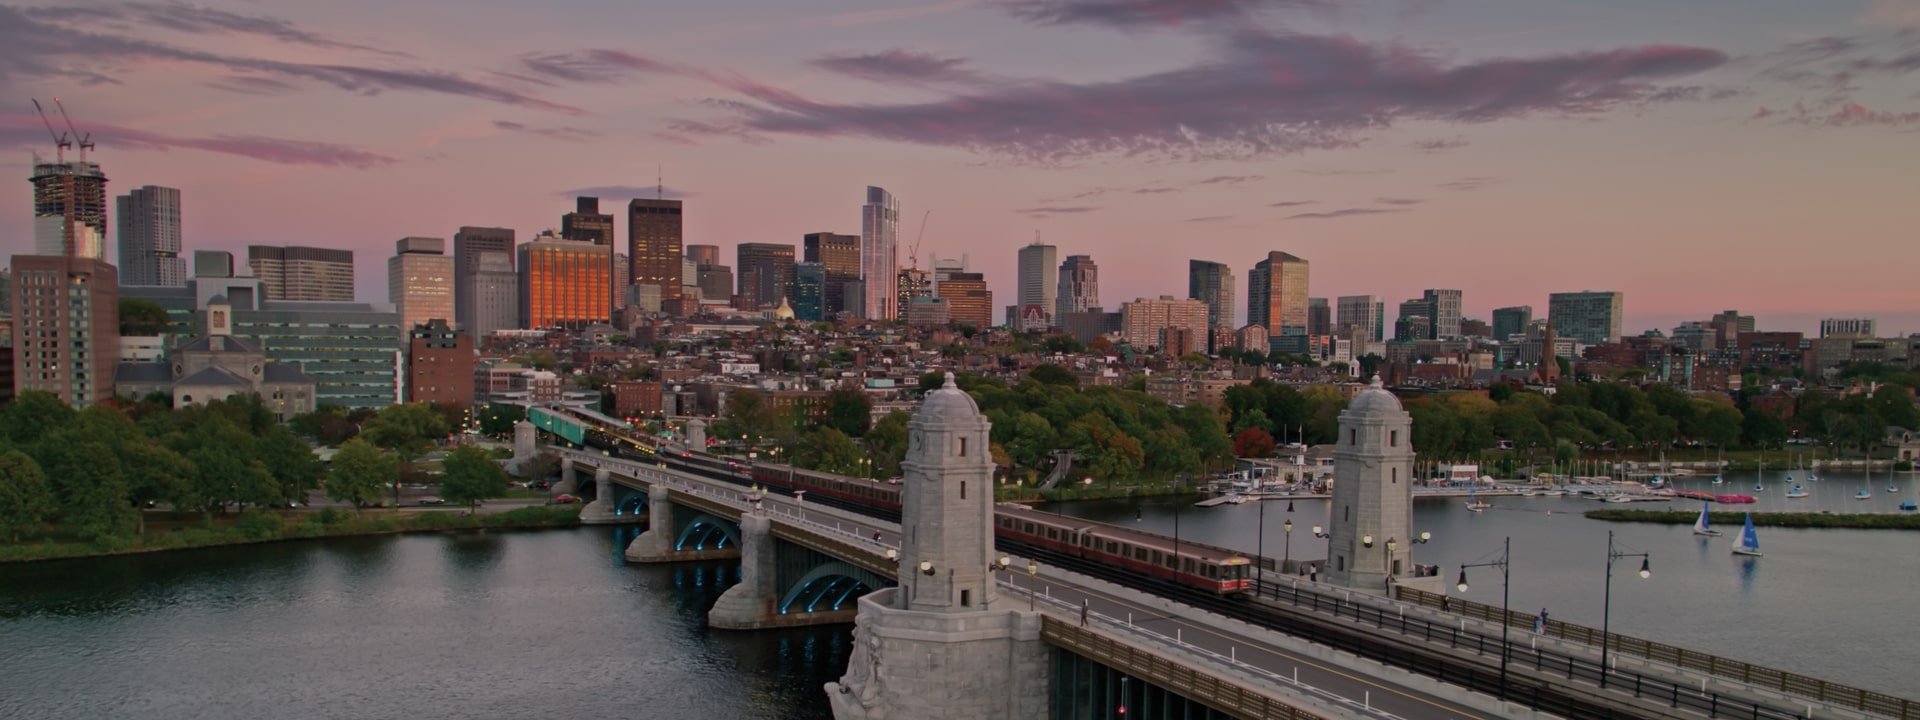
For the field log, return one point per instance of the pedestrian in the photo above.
(1540, 623)
(1084, 603)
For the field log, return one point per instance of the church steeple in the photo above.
(947, 506)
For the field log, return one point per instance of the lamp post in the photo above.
(1286, 547)
(1606, 603)
(1506, 616)
(1033, 569)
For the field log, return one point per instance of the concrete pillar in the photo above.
(568, 484)
(697, 434)
(525, 445)
(656, 544)
(750, 604)
(602, 510)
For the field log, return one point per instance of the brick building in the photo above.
(439, 365)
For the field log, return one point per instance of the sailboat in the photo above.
(1700, 526)
(1748, 543)
(1913, 468)
(1866, 486)
(1797, 493)
(1475, 505)
(1719, 466)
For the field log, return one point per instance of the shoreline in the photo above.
(311, 527)
(1734, 519)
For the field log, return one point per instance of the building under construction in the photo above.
(69, 208)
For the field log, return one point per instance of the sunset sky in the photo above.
(1762, 155)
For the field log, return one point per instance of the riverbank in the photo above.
(1860, 521)
(260, 527)
(1095, 492)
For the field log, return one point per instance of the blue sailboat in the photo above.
(1748, 543)
(1700, 526)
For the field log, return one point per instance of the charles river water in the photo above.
(553, 624)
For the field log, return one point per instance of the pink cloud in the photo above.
(25, 131)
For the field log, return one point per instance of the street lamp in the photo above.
(1606, 603)
(1506, 616)
(1286, 548)
(1321, 532)
(1033, 568)
(926, 567)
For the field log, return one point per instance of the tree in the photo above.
(1253, 442)
(541, 465)
(88, 486)
(468, 477)
(155, 473)
(33, 414)
(223, 476)
(290, 462)
(1052, 374)
(25, 500)
(498, 419)
(830, 450)
(142, 317)
(359, 470)
(849, 411)
(408, 430)
(748, 413)
(887, 442)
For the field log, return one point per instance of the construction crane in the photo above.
(85, 140)
(60, 141)
(913, 253)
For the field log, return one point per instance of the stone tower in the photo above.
(1372, 493)
(939, 647)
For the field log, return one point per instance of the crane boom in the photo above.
(913, 253)
(86, 139)
(60, 142)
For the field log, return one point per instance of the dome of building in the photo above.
(949, 404)
(1375, 400)
(784, 312)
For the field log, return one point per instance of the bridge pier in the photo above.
(603, 509)
(525, 446)
(752, 604)
(657, 544)
(569, 484)
(697, 435)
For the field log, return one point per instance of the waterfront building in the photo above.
(1591, 317)
(302, 274)
(218, 366)
(149, 225)
(66, 327)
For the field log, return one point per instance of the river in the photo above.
(525, 624)
(1834, 604)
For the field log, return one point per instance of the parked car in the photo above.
(563, 500)
(432, 500)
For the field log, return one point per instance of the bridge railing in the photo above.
(1757, 675)
(1159, 670)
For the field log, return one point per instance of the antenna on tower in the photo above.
(86, 140)
(60, 141)
(660, 176)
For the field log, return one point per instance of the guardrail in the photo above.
(1756, 675)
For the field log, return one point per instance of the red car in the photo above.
(563, 500)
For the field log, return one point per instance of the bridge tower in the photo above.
(1371, 518)
(940, 645)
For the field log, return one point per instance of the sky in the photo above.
(1758, 155)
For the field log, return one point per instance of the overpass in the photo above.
(804, 562)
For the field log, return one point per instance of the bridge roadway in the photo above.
(1271, 657)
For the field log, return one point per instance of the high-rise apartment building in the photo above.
(809, 291)
(66, 327)
(766, 271)
(1366, 314)
(1079, 287)
(1443, 308)
(1144, 322)
(303, 274)
(653, 246)
(1277, 294)
(1212, 283)
(69, 209)
(1319, 317)
(1590, 317)
(1727, 327)
(149, 227)
(560, 282)
(969, 302)
(1847, 328)
(839, 256)
(1511, 321)
(439, 365)
(471, 245)
(420, 281)
(1038, 284)
(879, 261)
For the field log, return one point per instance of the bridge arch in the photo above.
(632, 502)
(706, 532)
(830, 586)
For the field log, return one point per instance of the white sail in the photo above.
(1701, 526)
(1748, 542)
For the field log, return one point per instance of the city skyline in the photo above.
(1687, 156)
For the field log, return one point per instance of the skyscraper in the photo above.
(766, 271)
(1036, 287)
(560, 282)
(1144, 322)
(653, 246)
(303, 274)
(149, 220)
(1319, 317)
(1443, 308)
(879, 263)
(839, 256)
(1212, 283)
(587, 224)
(1588, 316)
(968, 300)
(66, 327)
(1365, 313)
(809, 291)
(704, 254)
(911, 284)
(1511, 321)
(69, 210)
(420, 280)
(1079, 288)
(1277, 294)
(470, 244)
